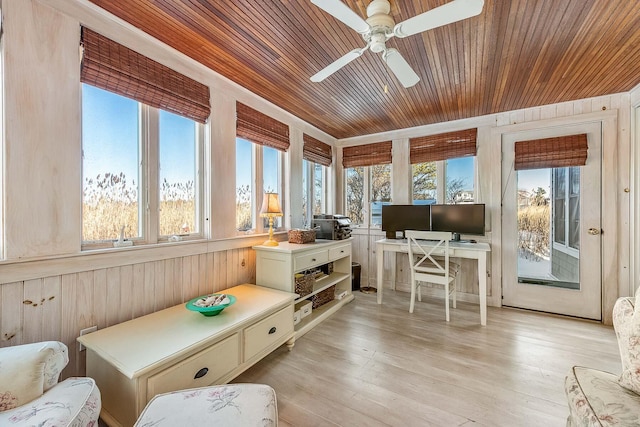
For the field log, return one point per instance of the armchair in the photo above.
(30, 393)
(597, 398)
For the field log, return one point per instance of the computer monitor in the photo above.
(459, 219)
(396, 218)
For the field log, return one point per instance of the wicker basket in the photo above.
(302, 236)
(323, 297)
(304, 284)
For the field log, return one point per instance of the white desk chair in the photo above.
(430, 264)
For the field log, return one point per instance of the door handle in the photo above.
(593, 231)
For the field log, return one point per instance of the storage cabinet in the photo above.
(276, 267)
(175, 348)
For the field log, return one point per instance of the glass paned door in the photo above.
(551, 244)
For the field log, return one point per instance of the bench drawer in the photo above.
(218, 360)
(266, 332)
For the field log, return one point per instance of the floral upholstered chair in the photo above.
(241, 405)
(599, 398)
(30, 394)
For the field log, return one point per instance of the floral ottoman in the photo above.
(242, 405)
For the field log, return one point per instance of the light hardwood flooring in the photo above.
(378, 365)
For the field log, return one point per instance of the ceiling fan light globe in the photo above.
(377, 47)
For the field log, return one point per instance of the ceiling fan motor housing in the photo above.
(380, 23)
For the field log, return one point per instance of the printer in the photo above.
(331, 227)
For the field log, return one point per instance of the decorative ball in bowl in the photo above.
(211, 305)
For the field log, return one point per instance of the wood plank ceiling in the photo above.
(515, 54)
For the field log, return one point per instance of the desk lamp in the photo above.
(270, 209)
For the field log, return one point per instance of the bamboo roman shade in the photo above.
(367, 155)
(556, 152)
(316, 151)
(443, 146)
(118, 69)
(259, 128)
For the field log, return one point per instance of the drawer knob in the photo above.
(272, 330)
(313, 259)
(201, 373)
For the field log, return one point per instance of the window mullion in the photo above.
(367, 196)
(441, 182)
(258, 188)
(151, 171)
(202, 203)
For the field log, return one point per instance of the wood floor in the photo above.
(371, 365)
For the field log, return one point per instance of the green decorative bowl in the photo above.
(213, 310)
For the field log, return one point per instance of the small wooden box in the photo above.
(302, 236)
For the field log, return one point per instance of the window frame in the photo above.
(366, 187)
(308, 188)
(149, 185)
(257, 181)
(441, 177)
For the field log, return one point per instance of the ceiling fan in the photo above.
(380, 27)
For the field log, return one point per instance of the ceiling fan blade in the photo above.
(454, 11)
(400, 67)
(337, 64)
(341, 12)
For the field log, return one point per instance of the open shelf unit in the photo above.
(277, 266)
(322, 284)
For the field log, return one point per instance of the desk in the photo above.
(477, 251)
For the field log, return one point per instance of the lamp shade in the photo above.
(270, 205)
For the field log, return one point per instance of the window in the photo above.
(355, 194)
(179, 212)
(110, 172)
(271, 181)
(260, 145)
(115, 138)
(367, 181)
(379, 192)
(447, 158)
(314, 188)
(459, 175)
(425, 182)
(244, 185)
(142, 143)
(317, 157)
(257, 166)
